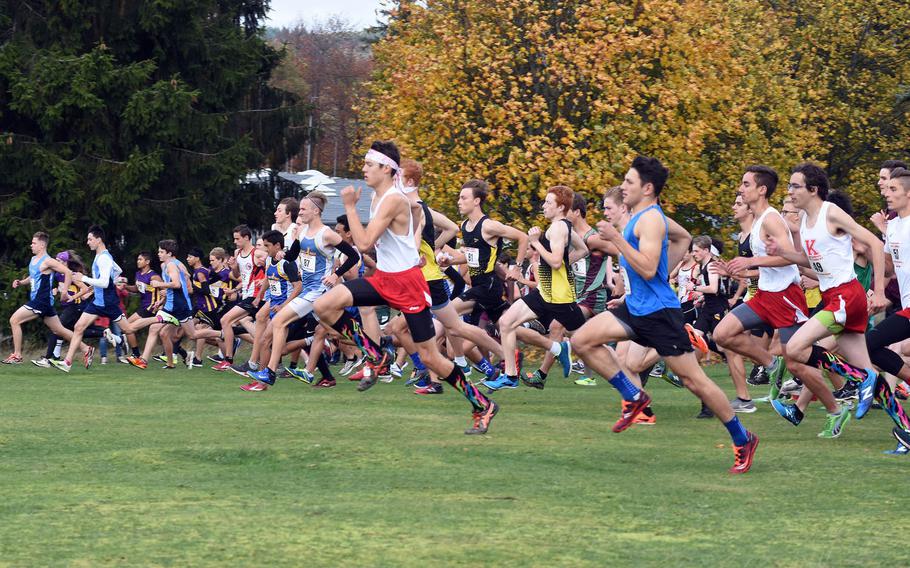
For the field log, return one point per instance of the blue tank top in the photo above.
(106, 296)
(279, 275)
(315, 260)
(648, 296)
(42, 288)
(176, 299)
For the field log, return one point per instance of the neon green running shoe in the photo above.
(586, 382)
(834, 427)
(776, 377)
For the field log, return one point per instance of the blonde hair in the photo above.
(318, 198)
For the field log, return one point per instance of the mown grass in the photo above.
(120, 466)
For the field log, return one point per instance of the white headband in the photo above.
(714, 251)
(384, 160)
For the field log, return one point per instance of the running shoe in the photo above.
(586, 382)
(285, 374)
(673, 379)
(850, 391)
(359, 374)
(43, 362)
(302, 375)
(899, 450)
(901, 391)
(388, 378)
(255, 386)
(902, 437)
(578, 367)
(743, 455)
(424, 381)
(466, 369)
(325, 384)
(417, 377)
(742, 406)
(367, 382)
(61, 365)
(866, 393)
(631, 411)
(266, 376)
(241, 369)
(790, 412)
(164, 317)
(161, 358)
(350, 365)
(396, 371)
(834, 426)
(222, 366)
(192, 363)
(705, 412)
(643, 418)
(215, 358)
(791, 388)
(758, 376)
(88, 356)
(482, 419)
(534, 380)
(564, 357)
(501, 382)
(776, 377)
(696, 340)
(657, 371)
(104, 360)
(111, 338)
(432, 388)
(137, 362)
(122, 359)
(14, 359)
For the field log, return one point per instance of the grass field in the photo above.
(120, 466)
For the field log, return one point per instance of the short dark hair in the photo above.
(42, 236)
(146, 255)
(579, 204)
(244, 231)
(650, 170)
(842, 200)
(764, 176)
(903, 174)
(479, 188)
(96, 232)
(168, 245)
(343, 221)
(891, 165)
(274, 237)
(291, 205)
(815, 177)
(388, 148)
(195, 251)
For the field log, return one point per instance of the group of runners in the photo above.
(632, 297)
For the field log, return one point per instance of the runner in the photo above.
(652, 313)
(397, 281)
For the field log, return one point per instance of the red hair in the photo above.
(564, 197)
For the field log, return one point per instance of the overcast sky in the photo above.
(286, 13)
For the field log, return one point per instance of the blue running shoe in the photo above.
(900, 450)
(266, 376)
(423, 382)
(790, 412)
(501, 382)
(302, 375)
(565, 357)
(866, 393)
(420, 379)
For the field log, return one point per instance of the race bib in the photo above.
(141, 287)
(473, 257)
(215, 290)
(308, 262)
(580, 267)
(275, 288)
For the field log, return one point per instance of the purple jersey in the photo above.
(147, 294)
(201, 299)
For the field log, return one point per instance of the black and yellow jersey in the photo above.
(556, 285)
(480, 254)
(430, 269)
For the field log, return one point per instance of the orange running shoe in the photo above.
(642, 418)
(744, 455)
(482, 419)
(696, 340)
(631, 411)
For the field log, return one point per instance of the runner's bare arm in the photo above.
(838, 219)
(650, 230)
(448, 229)
(493, 228)
(366, 237)
(579, 247)
(57, 266)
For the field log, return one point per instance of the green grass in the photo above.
(120, 466)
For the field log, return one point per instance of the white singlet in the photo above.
(245, 266)
(771, 278)
(395, 253)
(831, 257)
(897, 244)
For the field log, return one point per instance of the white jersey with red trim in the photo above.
(897, 244)
(395, 253)
(771, 278)
(245, 266)
(830, 256)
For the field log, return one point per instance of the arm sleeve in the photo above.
(105, 264)
(351, 258)
(457, 281)
(293, 252)
(290, 269)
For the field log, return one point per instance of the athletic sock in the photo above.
(418, 364)
(892, 405)
(836, 364)
(293, 365)
(486, 367)
(470, 392)
(461, 361)
(348, 327)
(58, 349)
(542, 374)
(628, 391)
(323, 367)
(252, 365)
(555, 349)
(737, 431)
